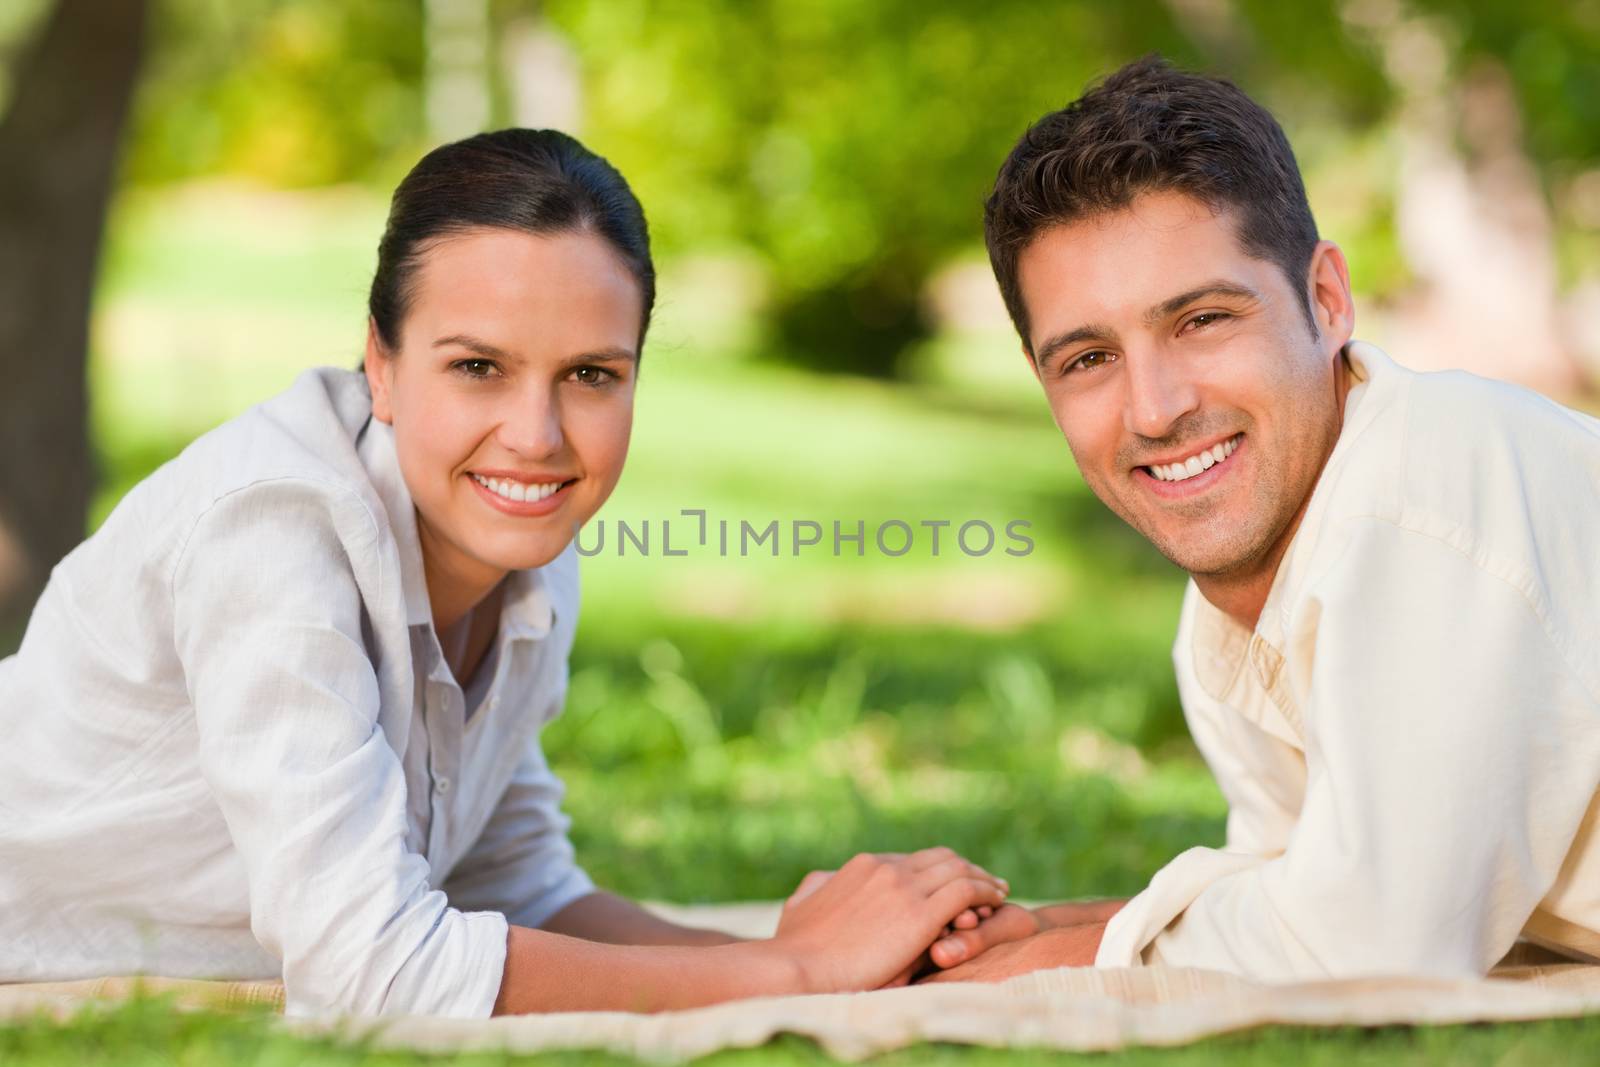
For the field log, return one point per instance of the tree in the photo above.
(852, 143)
(59, 144)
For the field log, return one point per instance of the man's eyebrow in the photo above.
(1092, 332)
(1175, 304)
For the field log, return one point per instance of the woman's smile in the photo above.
(530, 498)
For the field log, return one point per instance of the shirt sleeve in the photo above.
(268, 625)
(1262, 778)
(1451, 755)
(522, 865)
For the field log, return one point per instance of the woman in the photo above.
(280, 715)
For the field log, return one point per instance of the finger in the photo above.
(967, 920)
(922, 859)
(959, 946)
(911, 971)
(931, 878)
(932, 857)
(808, 885)
(954, 897)
(985, 911)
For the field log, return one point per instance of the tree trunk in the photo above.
(58, 155)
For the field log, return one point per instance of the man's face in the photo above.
(1196, 400)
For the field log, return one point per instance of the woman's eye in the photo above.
(474, 368)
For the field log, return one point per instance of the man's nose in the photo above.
(531, 425)
(1160, 392)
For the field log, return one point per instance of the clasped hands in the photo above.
(985, 940)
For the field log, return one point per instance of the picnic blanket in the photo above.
(1079, 1009)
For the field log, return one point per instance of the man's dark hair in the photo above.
(1151, 128)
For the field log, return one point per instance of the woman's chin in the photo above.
(524, 557)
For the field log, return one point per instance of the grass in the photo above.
(1019, 709)
(148, 1032)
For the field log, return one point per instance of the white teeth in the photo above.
(1195, 464)
(516, 492)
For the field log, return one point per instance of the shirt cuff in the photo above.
(459, 978)
(1134, 929)
(570, 887)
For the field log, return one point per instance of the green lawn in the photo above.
(1018, 709)
(148, 1033)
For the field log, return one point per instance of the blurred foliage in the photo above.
(850, 145)
(853, 144)
(292, 92)
(1551, 49)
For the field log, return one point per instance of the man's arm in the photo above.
(1071, 945)
(1451, 752)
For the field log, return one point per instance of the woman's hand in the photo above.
(869, 924)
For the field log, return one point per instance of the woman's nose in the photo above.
(532, 426)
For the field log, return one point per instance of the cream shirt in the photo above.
(1409, 741)
(233, 747)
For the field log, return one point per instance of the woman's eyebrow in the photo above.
(483, 348)
(602, 355)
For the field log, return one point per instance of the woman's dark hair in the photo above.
(538, 181)
(1150, 128)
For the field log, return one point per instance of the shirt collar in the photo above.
(1220, 644)
(528, 610)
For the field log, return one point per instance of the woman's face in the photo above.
(511, 395)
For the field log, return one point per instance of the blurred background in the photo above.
(191, 194)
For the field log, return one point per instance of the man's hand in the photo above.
(1012, 923)
(1065, 946)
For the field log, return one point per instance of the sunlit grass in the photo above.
(148, 1032)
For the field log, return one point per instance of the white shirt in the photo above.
(1409, 741)
(233, 748)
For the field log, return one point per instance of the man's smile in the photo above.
(1193, 473)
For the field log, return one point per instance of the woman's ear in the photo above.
(379, 366)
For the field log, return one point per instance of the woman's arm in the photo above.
(609, 919)
(866, 927)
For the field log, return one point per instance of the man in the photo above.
(1389, 651)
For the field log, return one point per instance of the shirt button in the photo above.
(442, 786)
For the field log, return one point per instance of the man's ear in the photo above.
(379, 367)
(1331, 303)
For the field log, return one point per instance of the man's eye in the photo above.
(1090, 360)
(1207, 318)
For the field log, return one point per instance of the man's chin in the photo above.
(1206, 556)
